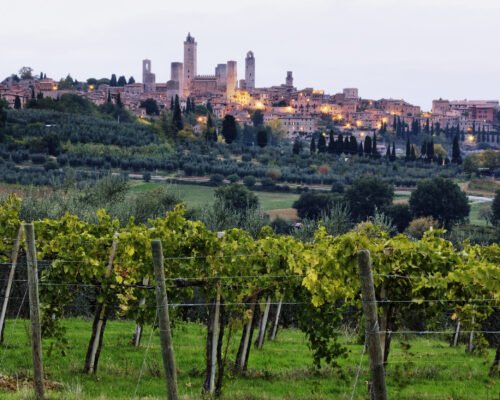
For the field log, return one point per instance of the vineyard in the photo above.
(231, 297)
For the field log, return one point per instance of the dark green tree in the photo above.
(366, 194)
(339, 145)
(368, 145)
(312, 205)
(151, 107)
(262, 138)
(495, 209)
(322, 143)
(353, 145)
(441, 199)
(122, 81)
(360, 149)
(113, 82)
(400, 216)
(177, 115)
(17, 103)
(408, 150)
(131, 80)
(237, 198)
(258, 118)
(374, 146)
(456, 156)
(229, 130)
(313, 146)
(297, 146)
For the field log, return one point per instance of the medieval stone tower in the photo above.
(232, 79)
(190, 49)
(289, 79)
(177, 76)
(250, 71)
(148, 78)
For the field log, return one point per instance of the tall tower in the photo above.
(221, 76)
(250, 71)
(289, 79)
(148, 78)
(232, 79)
(177, 75)
(190, 49)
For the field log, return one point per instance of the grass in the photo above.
(282, 370)
(198, 196)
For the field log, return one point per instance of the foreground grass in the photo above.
(282, 370)
(198, 196)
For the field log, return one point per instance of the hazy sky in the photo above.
(417, 50)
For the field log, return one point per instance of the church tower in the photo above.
(250, 71)
(190, 49)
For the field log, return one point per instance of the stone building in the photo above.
(232, 79)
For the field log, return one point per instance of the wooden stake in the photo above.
(457, 334)
(36, 331)
(100, 318)
(263, 324)
(167, 347)
(276, 321)
(13, 260)
(138, 327)
(371, 327)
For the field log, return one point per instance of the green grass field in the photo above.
(282, 370)
(197, 196)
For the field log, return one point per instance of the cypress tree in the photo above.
(346, 147)
(113, 82)
(408, 150)
(360, 149)
(423, 149)
(296, 146)
(17, 103)
(368, 145)
(394, 125)
(388, 152)
(353, 145)
(109, 96)
(313, 146)
(322, 143)
(262, 138)
(430, 150)
(456, 157)
(374, 144)
(339, 147)
(131, 80)
(177, 117)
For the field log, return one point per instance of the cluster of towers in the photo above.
(185, 81)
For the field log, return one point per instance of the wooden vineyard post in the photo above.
(99, 323)
(167, 347)
(36, 331)
(10, 279)
(456, 336)
(138, 328)
(276, 321)
(263, 324)
(371, 326)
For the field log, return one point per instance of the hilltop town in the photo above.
(299, 111)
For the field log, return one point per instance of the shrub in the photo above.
(216, 179)
(249, 181)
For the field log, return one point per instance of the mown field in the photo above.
(429, 369)
(198, 196)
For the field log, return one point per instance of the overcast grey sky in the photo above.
(412, 49)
